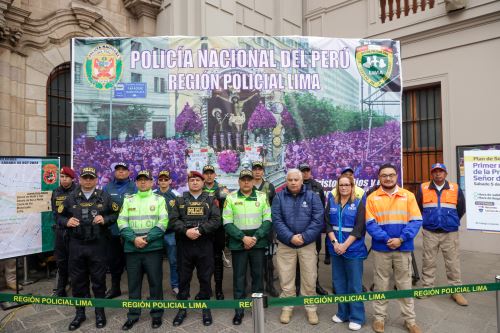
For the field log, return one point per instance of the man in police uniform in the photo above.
(61, 252)
(118, 188)
(213, 188)
(442, 204)
(267, 187)
(195, 216)
(87, 213)
(247, 221)
(142, 223)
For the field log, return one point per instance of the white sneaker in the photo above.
(354, 326)
(336, 319)
(175, 290)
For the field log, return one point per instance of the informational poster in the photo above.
(26, 186)
(228, 101)
(482, 184)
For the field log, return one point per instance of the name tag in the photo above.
(195, 211)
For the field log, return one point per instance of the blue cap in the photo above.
(346, 169)
(438, 166)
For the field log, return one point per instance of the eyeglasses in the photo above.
(345, 185)
(163, 179)
(392, 175)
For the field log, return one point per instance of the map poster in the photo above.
(26, 185)
(482, 183)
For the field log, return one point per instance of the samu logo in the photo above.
(103, 66)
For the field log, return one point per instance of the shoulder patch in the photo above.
(115, 207)
(171, 203)
(60, 209)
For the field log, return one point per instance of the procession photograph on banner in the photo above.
(179, 103)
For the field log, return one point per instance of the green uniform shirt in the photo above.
(247, 216)
(143, 214)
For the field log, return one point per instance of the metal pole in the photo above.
(258, 312)
(110, 116)
(497, 280)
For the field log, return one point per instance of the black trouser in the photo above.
(197, 254)
(61, 252)
(87, 259)
(241, 259)
(151, 264)
(116, 260)
(219, 245)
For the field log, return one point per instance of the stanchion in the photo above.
(497, 280)
(258, 312)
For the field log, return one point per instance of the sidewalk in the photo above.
(437, 314)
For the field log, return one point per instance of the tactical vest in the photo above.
(85, 211)
(195, 212)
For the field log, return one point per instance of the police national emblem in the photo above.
(171, 203)
(257, 204)
(60, 208)
(115, 207)
(103, 66)
(152, 208)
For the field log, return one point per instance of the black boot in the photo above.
(206, 317)
(114, 291)
(179, 318)
(100, 318)
(238, 316)
(78, 320)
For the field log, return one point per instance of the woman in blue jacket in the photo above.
(346, 228)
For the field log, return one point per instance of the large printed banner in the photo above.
(179, 103)
(26, 186)
(482, 184)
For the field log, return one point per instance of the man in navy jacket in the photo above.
(297, 219)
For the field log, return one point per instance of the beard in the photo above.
(388, 188)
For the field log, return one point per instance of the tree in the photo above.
(131, 119)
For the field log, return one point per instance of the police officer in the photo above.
(169, 194)
(87, 213)
(265, 186)
(118, 188)
(316, 187)
(142, 222)
(195, 216)
(213, 188)
(61, 250)
(247, 221)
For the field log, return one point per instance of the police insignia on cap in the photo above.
(171, 203)
(115, 207)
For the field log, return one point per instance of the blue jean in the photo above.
(171, 249)
(347, 276)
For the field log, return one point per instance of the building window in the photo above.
(163, 85)
(156, 84)
(422, 134)
(59, 113)
(135, 77)
(160, 85)
(78, 72)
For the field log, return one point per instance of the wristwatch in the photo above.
(334, 241)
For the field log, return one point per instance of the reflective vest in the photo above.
(342, 221)
(440, 208)
(247, 213)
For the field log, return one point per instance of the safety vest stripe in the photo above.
(159, 225)
(249, 226)
(122, 225)
(146, 217)
(429, 205)
(248, 216)
(392, 212)
(448, 205)
(412, 218)
(343, 229)
(393, 222)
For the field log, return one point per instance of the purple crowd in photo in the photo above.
(329, 154)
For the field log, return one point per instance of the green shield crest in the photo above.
(375, 63)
